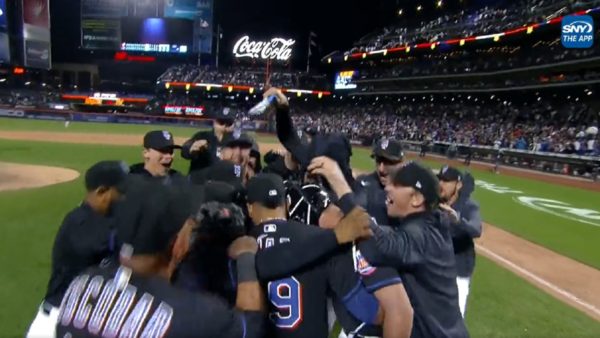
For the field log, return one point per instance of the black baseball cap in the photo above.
(221, 171)
(225, 115)
(215, 191)
(107, 174)
(159, 140)
(449, 174)
(389, 149)
(421, 179)
(158, 214)
(242, 140)
(267, 190)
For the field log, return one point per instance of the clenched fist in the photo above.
(198, 146)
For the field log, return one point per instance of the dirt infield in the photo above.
(15, 176)
(572, 282)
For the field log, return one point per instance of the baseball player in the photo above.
(298, 299)
(204, 148)
(369, 189)
(381, 289)
(498, 154)
(159, 146)
(82, 240)
(419, 245)
(465, 219)
(135, 299)
(351, 283)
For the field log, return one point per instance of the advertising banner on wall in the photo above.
(37, 54)
(36, 33)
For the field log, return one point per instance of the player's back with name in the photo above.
(110, 302)
(298, 303)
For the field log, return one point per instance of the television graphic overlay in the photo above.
(577, 31)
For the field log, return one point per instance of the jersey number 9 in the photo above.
(286, 295)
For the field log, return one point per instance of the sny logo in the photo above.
(577, 31)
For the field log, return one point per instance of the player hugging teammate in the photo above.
(235, 249)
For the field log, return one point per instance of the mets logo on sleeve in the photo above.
(577, 31)
(360, 263)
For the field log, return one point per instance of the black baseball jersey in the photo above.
(371, 195)
(82, 241)
(113, 302)
(298, 302)
(173, 176)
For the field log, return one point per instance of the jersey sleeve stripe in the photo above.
(383, 283)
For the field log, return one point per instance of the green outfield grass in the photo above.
(570, 238)
(90, 127)
(501, 304)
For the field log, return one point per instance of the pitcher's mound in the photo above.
(14, 176)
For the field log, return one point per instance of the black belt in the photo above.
(47, 307)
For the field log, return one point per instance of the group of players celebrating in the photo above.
(238, 249)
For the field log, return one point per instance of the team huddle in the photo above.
(285, 245)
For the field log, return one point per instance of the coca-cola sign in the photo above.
(276, 49)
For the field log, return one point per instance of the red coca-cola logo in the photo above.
(276, 49)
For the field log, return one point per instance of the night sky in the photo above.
(338, 23)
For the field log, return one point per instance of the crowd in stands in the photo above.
(540, 126)
(491, 83)
(477, 61)
(238, 76)
(28, 98)
(489, 19)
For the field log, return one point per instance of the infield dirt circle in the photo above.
(14, 176)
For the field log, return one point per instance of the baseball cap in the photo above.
(221, 192)
(420, 178)
(159, 140)
(225, 115)
(158, 214)
(449, 174)
(389, 149)
(267, 190)
(107, 174)
(241, 140)
(221, 171)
